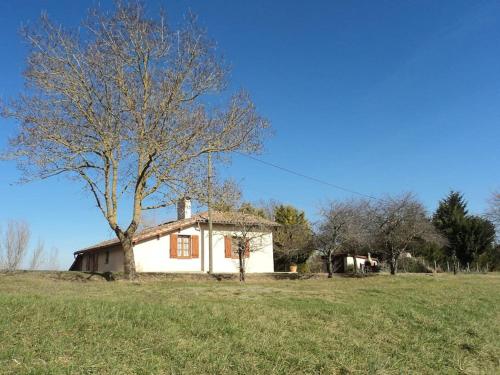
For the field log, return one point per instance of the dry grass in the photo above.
(52, 324)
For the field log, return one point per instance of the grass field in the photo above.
(388, 325)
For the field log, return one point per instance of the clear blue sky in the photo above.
(377, 96)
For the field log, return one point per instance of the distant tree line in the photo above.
(390, 228)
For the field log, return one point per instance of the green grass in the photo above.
(388, 325)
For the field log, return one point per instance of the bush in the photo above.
(413, 265)
(303, 268)
(316, 264)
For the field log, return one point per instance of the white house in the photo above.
(182, 245)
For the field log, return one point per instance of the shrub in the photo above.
(413, 265)
(303, 268)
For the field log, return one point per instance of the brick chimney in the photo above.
(184, 208)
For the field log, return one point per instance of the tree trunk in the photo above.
(392, 264)
(329, 266)
(128, 257)
(355, 263)
(242, 266)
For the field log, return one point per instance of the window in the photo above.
(106, 260)
(183, 246)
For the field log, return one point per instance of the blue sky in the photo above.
(377, 96)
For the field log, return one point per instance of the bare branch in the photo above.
(122, 106)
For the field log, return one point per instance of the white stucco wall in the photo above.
(349, 262)
(154, 255)
(261, 251)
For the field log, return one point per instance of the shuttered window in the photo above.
(183, 246)
(233, 244)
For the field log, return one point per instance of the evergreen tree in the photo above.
(476, 238)
(468, 236)
(449, 219)
(293, 239)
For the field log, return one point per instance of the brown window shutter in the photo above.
(173, 246)
(195, 253)
(227, 246)
(247, 248)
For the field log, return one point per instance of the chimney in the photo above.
(184, 208)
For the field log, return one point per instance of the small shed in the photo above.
(344, 262)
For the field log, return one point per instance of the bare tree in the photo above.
(120, 104)
(494, 210)
(53, 260)
(251, 234)
(15, 244)
(399, 222)
(149, 219)
(37, 256)
(226, 195)
(341, 228)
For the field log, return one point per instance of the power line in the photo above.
(299, 174)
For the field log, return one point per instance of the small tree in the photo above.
(494, 209)
(399, 222)
(52, 262)
(119, 104)
(37, 256)
(15, 244)
(250, 235)
(293, 240)
(341, 227)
